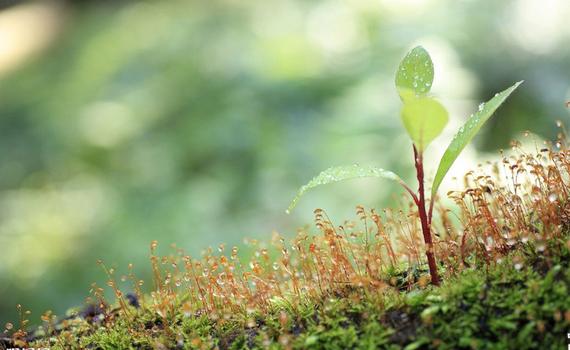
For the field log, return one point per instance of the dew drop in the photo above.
(552, 197)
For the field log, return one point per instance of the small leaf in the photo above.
(424, 119)
(467, 132)
(341, 173)
(415, 73)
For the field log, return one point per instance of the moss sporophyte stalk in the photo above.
(424, 119)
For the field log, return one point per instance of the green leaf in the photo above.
(466, 133)
(341, 173)
(415, 73)
(424, 119)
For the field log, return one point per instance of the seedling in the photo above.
(424, 119)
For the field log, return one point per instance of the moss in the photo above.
(497, 308)
(506, 283)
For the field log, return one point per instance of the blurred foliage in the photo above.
(195, 121)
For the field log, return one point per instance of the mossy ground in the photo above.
(506, 306)
(504, 262)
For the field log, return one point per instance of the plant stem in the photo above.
(425, 222)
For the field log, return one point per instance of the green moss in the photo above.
(519, 302)
(502, 308)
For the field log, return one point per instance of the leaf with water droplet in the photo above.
(341, 173)
(467, 132)
(415, 73)
(424, 119)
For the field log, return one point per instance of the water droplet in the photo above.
(552, 197)
(481, 106)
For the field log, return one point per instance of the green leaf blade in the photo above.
(424, 119)
(341, 173)
(415, 73)
(467, 132)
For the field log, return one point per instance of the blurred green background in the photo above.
(194, 122)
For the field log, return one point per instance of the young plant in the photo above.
(424, 119)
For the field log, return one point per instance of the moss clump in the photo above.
(510, 305)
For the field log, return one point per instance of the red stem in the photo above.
(425, 221)
(430, 212)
